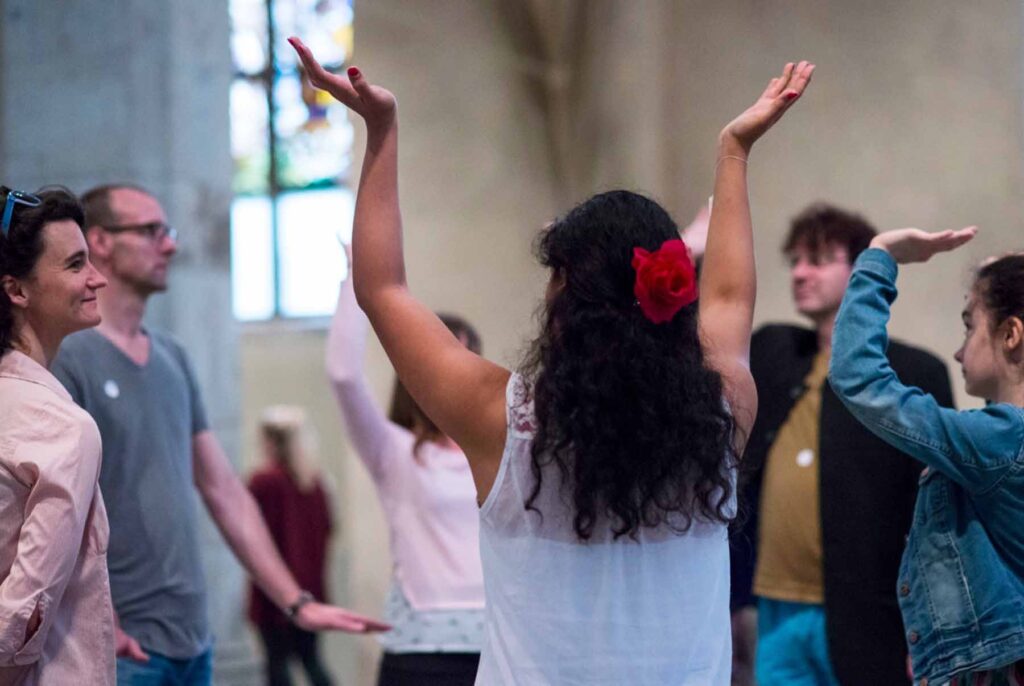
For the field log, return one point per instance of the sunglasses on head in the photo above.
(16, 198)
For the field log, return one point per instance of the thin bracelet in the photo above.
(729, 157)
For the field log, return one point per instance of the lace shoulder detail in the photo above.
(519, 403)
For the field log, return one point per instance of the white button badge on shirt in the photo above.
(805, 457)
(111, 388)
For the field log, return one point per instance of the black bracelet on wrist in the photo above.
(292, 610)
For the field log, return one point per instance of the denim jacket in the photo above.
(961, 581)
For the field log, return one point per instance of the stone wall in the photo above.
(131, 90)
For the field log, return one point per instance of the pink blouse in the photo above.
(429, 500)
(53, 535)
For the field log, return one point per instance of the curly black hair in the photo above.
(626, 409)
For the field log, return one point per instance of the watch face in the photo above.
(293, 609)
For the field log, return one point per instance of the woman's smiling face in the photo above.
(62, 287)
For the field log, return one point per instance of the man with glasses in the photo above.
(158, 450)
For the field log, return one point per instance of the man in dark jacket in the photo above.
(828, 503)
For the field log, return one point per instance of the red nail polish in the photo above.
(791, 95)
(353, 73)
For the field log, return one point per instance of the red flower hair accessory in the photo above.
(666, 280)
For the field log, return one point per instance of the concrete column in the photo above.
(131, 90)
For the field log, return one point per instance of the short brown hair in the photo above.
(96, 203)
(821, 225)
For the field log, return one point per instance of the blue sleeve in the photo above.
(975, 448)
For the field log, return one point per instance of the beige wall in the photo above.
(474, 191)
(914, 118)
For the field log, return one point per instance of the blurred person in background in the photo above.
(427, 493)
(829, 502)
(292, 494)
(159, 454)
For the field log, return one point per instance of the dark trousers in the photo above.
(428, 669)
(284, 642)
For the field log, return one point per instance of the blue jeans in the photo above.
(166, 671)
(792, 649)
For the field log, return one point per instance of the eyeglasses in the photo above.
(17, 198)
(154, 231)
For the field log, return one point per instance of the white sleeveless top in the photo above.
(651, 611)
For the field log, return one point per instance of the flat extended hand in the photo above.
(915, 245)
(322, 617)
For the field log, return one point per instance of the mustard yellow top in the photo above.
(789, 565)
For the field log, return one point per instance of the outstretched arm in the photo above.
(728, 281)
(463, 393)
(238, 517)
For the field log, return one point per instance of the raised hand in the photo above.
(323, 617)
(915, 245)
(780, 94)
(376, 105)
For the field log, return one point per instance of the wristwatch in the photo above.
(292, 610)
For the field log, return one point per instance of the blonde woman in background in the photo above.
(293, 497)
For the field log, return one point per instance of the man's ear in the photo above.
(15, 290)
(100, 243)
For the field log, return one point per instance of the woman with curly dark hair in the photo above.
(605, 468)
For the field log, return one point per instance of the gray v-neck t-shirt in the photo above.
(147, 415)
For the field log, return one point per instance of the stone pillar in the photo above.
(133, 90)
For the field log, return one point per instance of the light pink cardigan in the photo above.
(429, 500)
(53, 535)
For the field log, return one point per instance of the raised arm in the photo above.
(958, 444)
(235, 512)
(368, 428)
(728, 277)
(463, 393)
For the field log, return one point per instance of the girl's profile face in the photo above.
(979, 355)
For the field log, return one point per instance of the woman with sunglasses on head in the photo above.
(436, 600)
(961, 581)
(56, 616)
(605, 467)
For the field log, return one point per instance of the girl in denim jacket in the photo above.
(961, 582)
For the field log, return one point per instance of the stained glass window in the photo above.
(292, 151)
